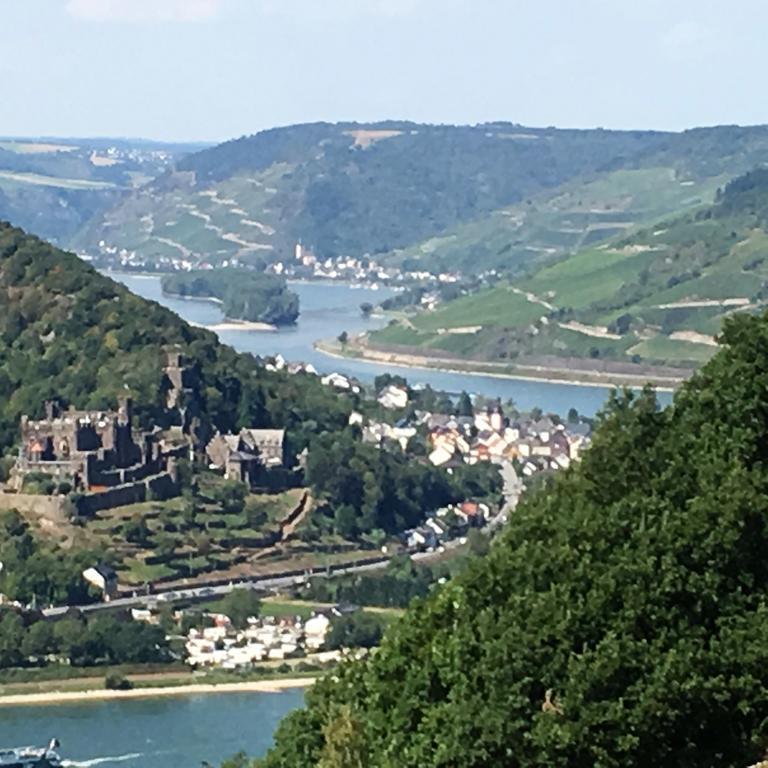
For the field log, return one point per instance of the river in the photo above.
(329, 309)
(177, 732)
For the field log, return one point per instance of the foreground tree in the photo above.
(621, 620)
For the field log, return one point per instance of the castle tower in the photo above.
(174, 370)
(124, 411)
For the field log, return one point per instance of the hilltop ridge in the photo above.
(351, 189)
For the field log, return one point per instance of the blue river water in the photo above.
(173, 732)
(329, 309)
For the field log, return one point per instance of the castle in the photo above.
(243, 456)
(99, 451)
(88, 448)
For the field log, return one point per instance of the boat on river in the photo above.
(31, 757)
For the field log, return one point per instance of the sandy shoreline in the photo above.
(65, 697)
(234, 325)
(240, 325)
(422, 365)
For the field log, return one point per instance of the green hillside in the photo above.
(494, 195)
(620, 620)
(657, 296)
(576, 215)
(71, 335)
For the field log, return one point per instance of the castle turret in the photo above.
(175, 372)
(124, 411)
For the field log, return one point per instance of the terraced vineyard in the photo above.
(472, 198)
(183, 538)
(554, 223)
(658, 296)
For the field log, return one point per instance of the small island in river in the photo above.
(245, 295)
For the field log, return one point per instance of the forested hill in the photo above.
(620, 621)
(68, 332)
(349, 189)
(244, 294)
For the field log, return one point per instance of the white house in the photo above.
(336, 380)
(102, 577)
(441, 455)
(393, 397)
(315, 630)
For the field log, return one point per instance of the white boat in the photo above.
(31, 757)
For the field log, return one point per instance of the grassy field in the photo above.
(452, 326)
(92, 678)
(587, 277)
(39, 180)
(662, 349)
(497, 306)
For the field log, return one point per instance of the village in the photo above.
(305, 265)
(265, 638)
(532, 442)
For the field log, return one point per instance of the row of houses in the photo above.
(489, 436)
(446, 524)
(264, 639)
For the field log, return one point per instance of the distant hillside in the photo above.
(620, 621)
(54, 186)
(679, 172)
(658, 296)
(471, 197)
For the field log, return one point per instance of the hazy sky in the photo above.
(213, 69)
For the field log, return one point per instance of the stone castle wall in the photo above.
(158, 487)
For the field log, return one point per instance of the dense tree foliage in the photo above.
(81, 642)
(367, 488)
(33, 571)
(240, 605)
(355, 630)
(244, 294)
(621, 620)
(395, 587)
(68, 332)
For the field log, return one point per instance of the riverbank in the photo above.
(547, 374)
(238, 325)
(276, 685)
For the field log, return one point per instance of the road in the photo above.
(265, 583)
(512, 490)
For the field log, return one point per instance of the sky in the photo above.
(215, 69)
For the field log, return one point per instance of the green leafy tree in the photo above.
(345, 745)
(464, 407)
(240, 605)
(356, 630)
(38, 640)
